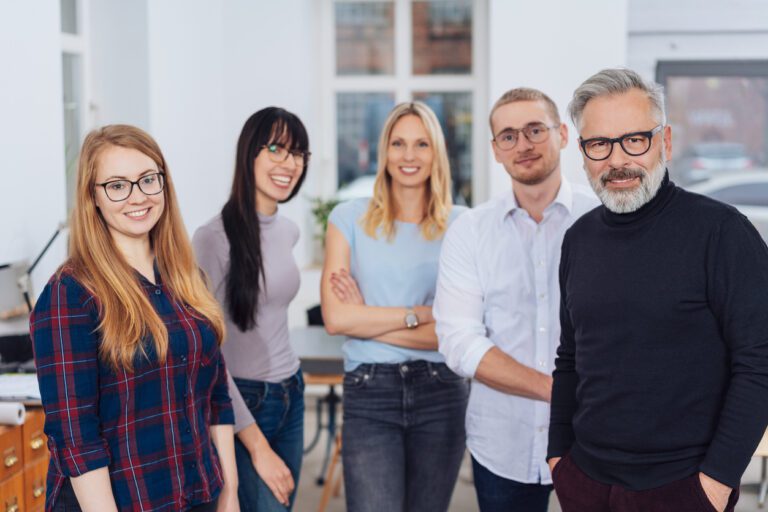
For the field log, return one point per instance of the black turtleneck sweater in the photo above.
(662, 369)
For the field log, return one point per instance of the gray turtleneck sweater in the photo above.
(263, 353)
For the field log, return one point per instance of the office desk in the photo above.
(322, 363)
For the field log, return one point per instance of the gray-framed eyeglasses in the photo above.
(633, 144)
(120, 190)
(536, 133)
(279, 154)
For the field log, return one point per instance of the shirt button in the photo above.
(542, 295)
(158, 292)
(193, 465)
(404, 368)
(542, 364)
(189, 430)
(542, 329)
(183, 358)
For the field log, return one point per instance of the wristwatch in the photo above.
(411, 320)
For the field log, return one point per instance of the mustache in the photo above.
(622, 174)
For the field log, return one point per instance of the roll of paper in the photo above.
(12, 413)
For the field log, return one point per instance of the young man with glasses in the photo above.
(660, 391)
(496, 303)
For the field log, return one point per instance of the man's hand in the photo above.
(552, 463)
(273, 471)
(716, 492)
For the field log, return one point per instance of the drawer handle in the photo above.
(11, 460)
(12, 508)
(36, 443)
(38, 491)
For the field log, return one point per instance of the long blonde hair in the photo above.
(381, 209)
(126, 315)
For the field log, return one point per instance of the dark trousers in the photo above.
(67, 501)
(498, 494)
(403, 436)
(578, 492)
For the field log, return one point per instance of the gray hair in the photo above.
(615, 81)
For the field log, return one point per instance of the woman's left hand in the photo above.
(228, 501)
(345, 288)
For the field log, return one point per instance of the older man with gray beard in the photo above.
(660, 391)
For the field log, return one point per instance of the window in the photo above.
(383, 52)
(73, 87)
(719, 114)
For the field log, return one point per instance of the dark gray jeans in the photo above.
(403, 436)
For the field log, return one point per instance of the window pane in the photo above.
(454, 110)
(442, 37)
(365, 38)
(713, 134)
(360, 117)
(72, 89)
(68, 16)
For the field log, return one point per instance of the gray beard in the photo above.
(628, 201)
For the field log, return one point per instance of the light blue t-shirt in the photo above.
(392, 273)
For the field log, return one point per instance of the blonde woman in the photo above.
(403, 436)
(126, 339)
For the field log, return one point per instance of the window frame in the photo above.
(403, 84)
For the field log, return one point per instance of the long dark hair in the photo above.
(271, 125)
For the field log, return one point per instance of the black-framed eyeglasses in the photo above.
(536, 133)
(279, 154)
(120, 190)
(633, 144)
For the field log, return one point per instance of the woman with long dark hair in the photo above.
(247, 253)
(126, 338)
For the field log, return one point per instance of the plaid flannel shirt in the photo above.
(149, 426)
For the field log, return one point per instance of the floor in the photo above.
(309, 493)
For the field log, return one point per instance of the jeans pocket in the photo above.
(357, 378)
(253, 400)
(445, 374)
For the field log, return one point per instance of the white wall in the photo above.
(553, 46)
(119, 52)
(32, 202)
(695, 30)
(211, 65)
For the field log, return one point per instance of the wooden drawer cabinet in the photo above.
(12, 494)
(34, 485)
(11, 452)
(23, 464)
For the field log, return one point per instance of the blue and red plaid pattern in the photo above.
(149, 426)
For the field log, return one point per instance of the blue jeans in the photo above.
(403, 436)
(278, 409)
(499, 494)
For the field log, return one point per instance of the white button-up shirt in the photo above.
(498, 286)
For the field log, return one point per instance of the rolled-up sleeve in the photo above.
(221, 403)
(458, 307)
(63, 327)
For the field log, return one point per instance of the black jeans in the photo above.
(403, 436)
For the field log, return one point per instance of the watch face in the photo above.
(411, 320)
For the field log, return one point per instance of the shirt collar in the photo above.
(564, 197)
